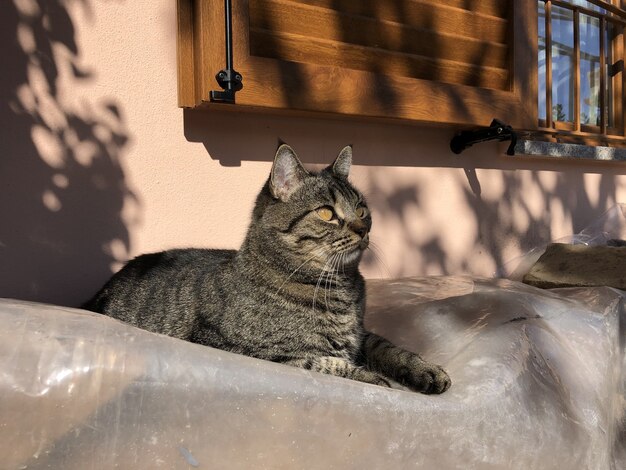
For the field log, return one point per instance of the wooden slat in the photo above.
(564, 126)
(610, 7)
(202, 59)
(366, 94)
(209, 45)
(576, 69)
(524, 84)
(331, 53)
(498, 8)
(549, 122)
(295, 18)
(618, 79)
(424, 14)
(580, 137)
(620, 88)
(569, 6)
(184, 53)
(603, 88)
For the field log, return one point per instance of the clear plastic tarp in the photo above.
(609, 229)
(537, 383)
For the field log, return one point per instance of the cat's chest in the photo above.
(339, 332)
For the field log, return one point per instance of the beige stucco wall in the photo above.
(98, 164)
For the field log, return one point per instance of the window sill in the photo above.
(570, 151)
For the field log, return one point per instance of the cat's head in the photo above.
(319, 218)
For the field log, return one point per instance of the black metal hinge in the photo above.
(496, 131)
(229, 79)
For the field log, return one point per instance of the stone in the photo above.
(565, 265)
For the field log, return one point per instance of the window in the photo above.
(461, 62)
(581, 70)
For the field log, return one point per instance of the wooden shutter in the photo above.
(441, 61)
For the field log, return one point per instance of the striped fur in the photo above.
(292, 293)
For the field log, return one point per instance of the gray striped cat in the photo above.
(292, 293)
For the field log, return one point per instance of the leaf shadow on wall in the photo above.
(62, 183)
(485, 233)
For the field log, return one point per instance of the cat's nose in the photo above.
(359, 229)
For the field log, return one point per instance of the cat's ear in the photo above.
(287, 173)
(341, 166)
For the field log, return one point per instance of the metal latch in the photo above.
(229, 79)
(496, 131)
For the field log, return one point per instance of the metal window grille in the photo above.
(581, 67)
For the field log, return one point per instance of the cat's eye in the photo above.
(325, 213)
(361, 212)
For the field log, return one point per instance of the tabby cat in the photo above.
(292, 293)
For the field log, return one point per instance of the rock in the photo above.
(579, 266)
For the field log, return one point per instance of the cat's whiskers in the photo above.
(378, 257)
(326, 282)
(329, 277)
(316, 253)
(329, 280)
(319, 280)
(340, 265)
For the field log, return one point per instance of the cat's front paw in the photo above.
(427, 378)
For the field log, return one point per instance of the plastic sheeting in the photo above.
(537, 383)
(608, 229)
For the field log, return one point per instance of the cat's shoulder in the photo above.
(178, 258)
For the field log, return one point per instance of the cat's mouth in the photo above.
(354, 254)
